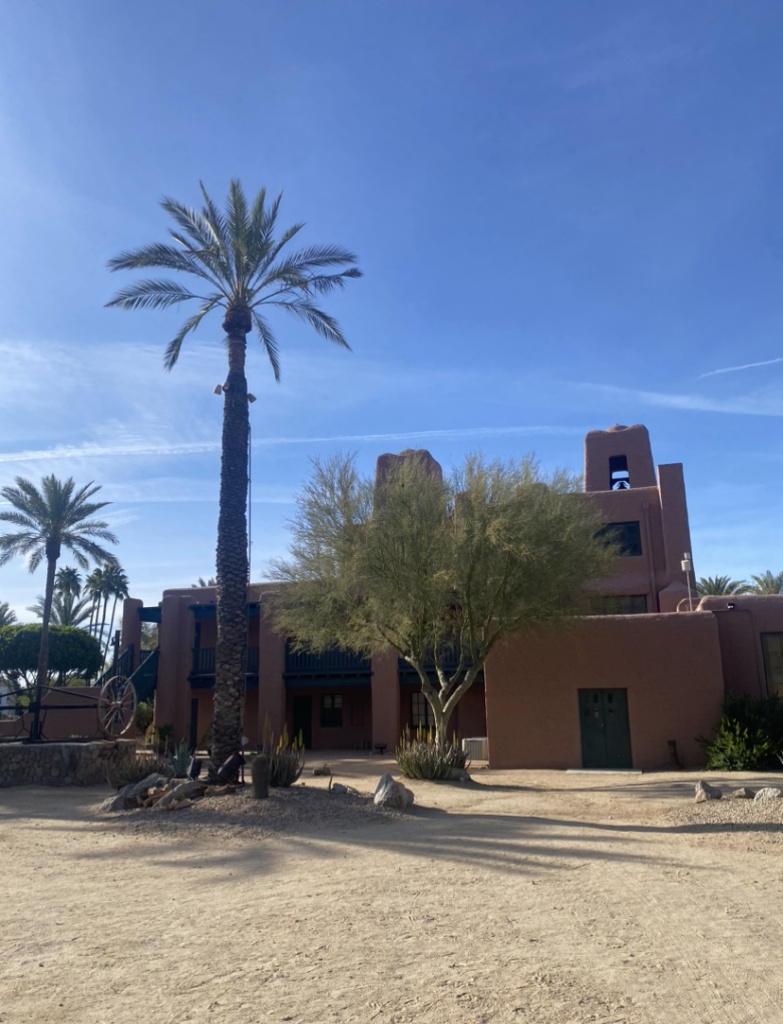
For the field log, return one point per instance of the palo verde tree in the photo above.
(438, 571)
(47, 520)
(235, 263)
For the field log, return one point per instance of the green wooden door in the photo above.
(606, 738)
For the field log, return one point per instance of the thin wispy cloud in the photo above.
(160, 449)
(745, 366)
(749, 405)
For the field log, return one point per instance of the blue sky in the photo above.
(568, 215)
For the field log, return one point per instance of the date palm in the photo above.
(67, 609)
(767, 583)
(47, 520)
(709, 586)
(7, 614)
(235, 264)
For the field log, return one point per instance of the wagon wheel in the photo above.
(116, 707)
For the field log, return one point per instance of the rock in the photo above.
(186, 789)
(459, 775)
(704, 791)
(743, 793)
(115, 803)
(390, 793)
(323, 770)
(138, 788)
(219, 790)
(769, 793)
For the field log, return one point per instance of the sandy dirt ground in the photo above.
(536, 897)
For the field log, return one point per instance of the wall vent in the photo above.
(476, 748)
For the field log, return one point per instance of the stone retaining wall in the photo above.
(61, 764)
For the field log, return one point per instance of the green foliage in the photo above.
(767, 583)
(72, 652)
(179, 759)
(144, 715)
(720, 586)
(286, 757)
(420, 757)
(437, 570)
(135, 768)
(748, 735)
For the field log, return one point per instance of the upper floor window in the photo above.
(619, 604)
(627, 537)
(619, 480)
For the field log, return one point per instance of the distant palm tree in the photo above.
(768, 583)
(117, 586)
(94, 585)
(47, 520)
(237, 266)
(7, 614)
(68, 581)
(211, 582)
(67, 609)
(720, 585)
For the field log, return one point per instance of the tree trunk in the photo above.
(232, 565)
(111, 627)
(52, 554)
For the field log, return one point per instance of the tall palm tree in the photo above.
(7, 614)
(720, 585)
(47, 520)
(768, 583)
(236, 265)
(117, 586)
(94, 585)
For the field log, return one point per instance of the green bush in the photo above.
(135, 768)
(286, 757)
(419, 757)
(179, 760)
(144, 715)
(748, 736)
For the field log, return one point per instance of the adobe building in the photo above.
(631, 686)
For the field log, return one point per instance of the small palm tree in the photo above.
(236, 265)
(117, 587)
(201, 582)
(720, 585)
(47, 520)
(67, 610)
(7, 614)
(768, 583)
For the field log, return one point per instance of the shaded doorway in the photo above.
(606, 738)
(303, 719)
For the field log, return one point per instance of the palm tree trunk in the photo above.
(232, 566)
(111, 627)
(52, 555)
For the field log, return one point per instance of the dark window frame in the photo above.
(627, 538)
(421, 712)
(331, 711)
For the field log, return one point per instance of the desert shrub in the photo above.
(144, 714)
(286, 757)
(179, 760)
(135, 768)
(748, 736)
(420, 757)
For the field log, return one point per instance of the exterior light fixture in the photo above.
(218, 389)
(687, 567)
(251, 398)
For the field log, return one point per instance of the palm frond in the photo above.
(152, 294)
(215, 225)
(173, 348)
(160, 255)
(320, 321)
(203, 243)
(268, 341)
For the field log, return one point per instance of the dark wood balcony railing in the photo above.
(204, 661)
(333, 662)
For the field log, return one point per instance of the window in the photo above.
(627, 537)
(421, 712)
(619, 604)
(332, 711)
(772, 647)
(618, 473)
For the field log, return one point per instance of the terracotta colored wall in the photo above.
(385, 700)
(356, 731)
(80, 723)
(271, 665)
(669, 664)
(633, 442)
(469, 718)
(740, 630)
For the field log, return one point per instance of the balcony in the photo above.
(202, 673)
